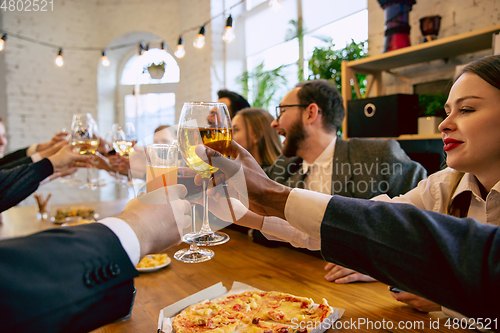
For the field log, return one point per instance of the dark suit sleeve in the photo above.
(71, 279)
(18, 183)
(15, 163)
(454, 262)
(18, 154)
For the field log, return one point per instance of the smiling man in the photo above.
(316, 159)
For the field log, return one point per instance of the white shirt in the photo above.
(318, 179)
(433, 193)
(430, 194)
(319, 173)
(127, 237)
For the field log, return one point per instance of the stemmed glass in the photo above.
(193, 254)
(204, 124)
(123, 141)
(70, 180)
(84, 139)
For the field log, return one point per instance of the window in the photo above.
(148, 102)
(322, 19)
(135, 70)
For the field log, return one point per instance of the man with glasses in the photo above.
(314, 158)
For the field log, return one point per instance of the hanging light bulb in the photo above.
(59, 59)
(228, 35)
(2, 42)
(104, 59)
(180, 53)
(275, 4)
(199, 42)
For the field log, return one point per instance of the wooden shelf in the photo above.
(447, 47)
(436, 136)
(442, 48)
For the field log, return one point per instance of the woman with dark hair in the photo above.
(252, 130)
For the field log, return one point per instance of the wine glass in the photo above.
(193, 254)
(85, 140)
(207, 124)
(70, 180)
(123, 141)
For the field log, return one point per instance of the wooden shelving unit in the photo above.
(447, 47)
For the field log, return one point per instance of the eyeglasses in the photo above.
(279, 112)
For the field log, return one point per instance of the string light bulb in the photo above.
(104, 59)
(275, 4)
(180, 53)
(59, 59)
(199, 42)
(228, 35)
(2, 42)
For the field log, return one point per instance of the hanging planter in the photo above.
(156, 71)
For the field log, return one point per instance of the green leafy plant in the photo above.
(326, 62)
(263, 85)
(432, 105)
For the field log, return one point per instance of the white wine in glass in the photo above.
(85, 140)
(206, 124)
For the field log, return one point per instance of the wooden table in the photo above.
(21, 221)
(280, 269)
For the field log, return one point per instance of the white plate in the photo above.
(153, 269)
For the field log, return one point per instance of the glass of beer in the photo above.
(206, 124)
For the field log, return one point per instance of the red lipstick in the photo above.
(450, 144)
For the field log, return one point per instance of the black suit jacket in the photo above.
(454, 262)
(71, 279)
(15, 159)
(361, 168)
(18, 183)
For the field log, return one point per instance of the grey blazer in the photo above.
(361, 168)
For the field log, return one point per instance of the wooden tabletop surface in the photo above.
(369, 307)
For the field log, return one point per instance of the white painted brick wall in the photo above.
(41, 98)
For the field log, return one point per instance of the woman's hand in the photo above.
(339, 274)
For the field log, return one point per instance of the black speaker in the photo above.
(385, 116)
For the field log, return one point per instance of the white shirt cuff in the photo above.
(127, 237)
(35, 157)
(31, 150)
(305, 210)
(275, 228)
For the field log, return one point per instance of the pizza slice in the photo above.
(262, 326)
(204, 317)
(242, 306)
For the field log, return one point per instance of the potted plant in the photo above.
(263, 85)
(156, 70)
(326, 63)
(431, 112)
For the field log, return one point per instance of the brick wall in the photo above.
(41, 97)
